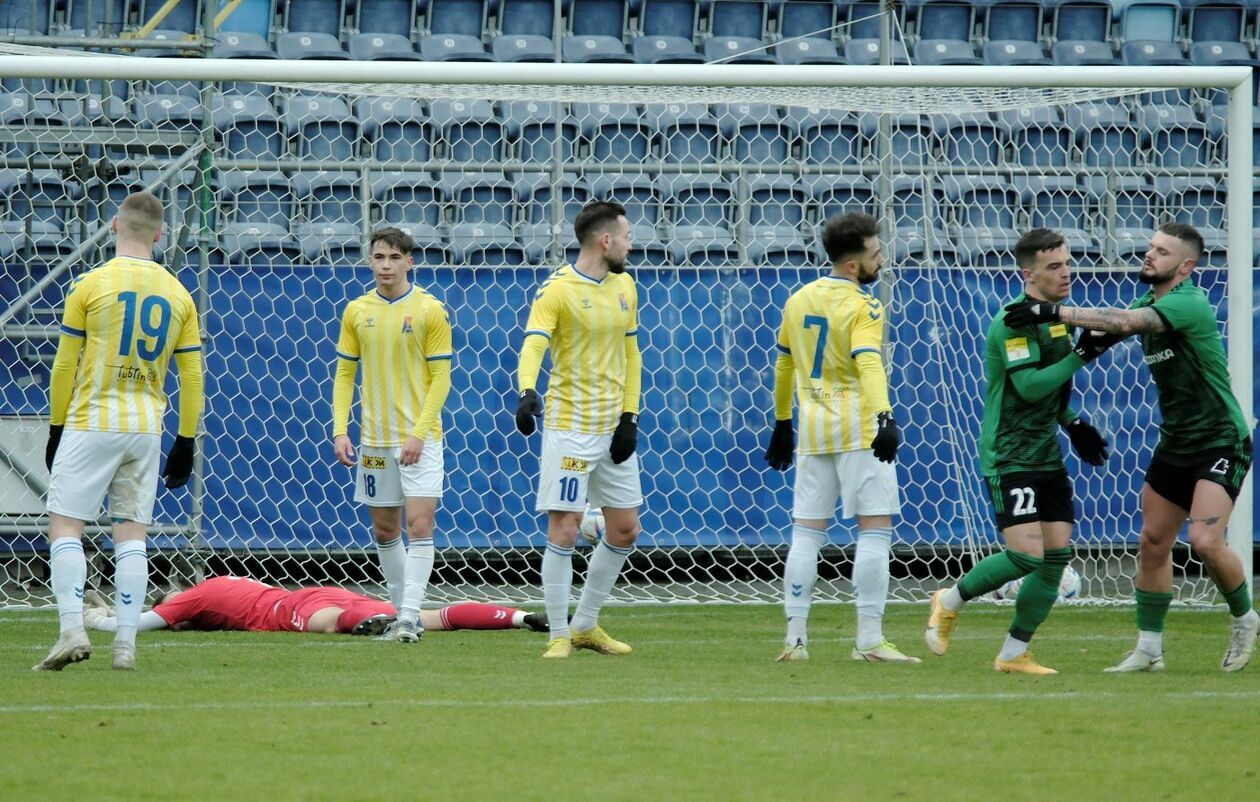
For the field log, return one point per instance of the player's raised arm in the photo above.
(343, 388)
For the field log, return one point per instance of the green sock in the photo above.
(1152, 609)
(1038, 593)
(1238, 599)
(995, 571)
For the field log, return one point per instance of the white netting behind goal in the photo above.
(727, 189)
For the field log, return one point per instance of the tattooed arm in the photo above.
(1114, 320)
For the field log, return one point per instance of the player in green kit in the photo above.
(1204, 449)
(1029, 373)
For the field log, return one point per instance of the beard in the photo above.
(616, 267)
(1156, 278)
(867, 278)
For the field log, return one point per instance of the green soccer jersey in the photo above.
(1191, 375)
(1019, 431)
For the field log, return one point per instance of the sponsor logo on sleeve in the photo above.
(1058, 330)
(1017, 348)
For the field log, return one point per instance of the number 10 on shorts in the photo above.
(568, 489)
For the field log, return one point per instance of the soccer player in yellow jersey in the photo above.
(402, 336)
(587, 313)
(829, 353)
(122, 323)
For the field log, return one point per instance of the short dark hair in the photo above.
(595, 217)
(1187, 234)
(1033, 243)
(846, 234)
(395, 238)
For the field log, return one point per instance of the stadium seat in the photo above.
(736, 50)
(615, 131)
(523, 48)
(986, 248)
(407, 198)
(1221, 54)
(251, 196)
(1148, 53)
(469, 128)
(696, 201)
(329, 196)
(43, 195)
(775, 201)
(168, 111)
(530, 127)
(910, 211)
(457, 17)
(778, 247)
(809, 19)
(739, 18)
(21, 17)
(695, 247)
(826, 136)
(258, 245)
(665, 50)
(386, 16)
(1014, 52)
(646, 248)
(980, 203)
(865, 52)
(535, 241)
(335, 244)
(1178, 136)
(478, 244)
(323, 127)
(911, 136)
(479, 198)
(587, 49)
(97, 17)
(1216, 20)
(598, 18)
(20, 108)
(314, 16)
(396, 129)
(248, 127)
(830, 195)
(636, 192)
(807, 51)
(453, 47)
(242, 45)
(942, 19)
(1133, 197)
(1197, 200)
(1011, 20)
(945, 52)
(309, 45)
(525, 17)
(677, 18)
(534, 193)
(862, 20)
(1056, 202)
(1105, 134)
(755, 131)
(969, 139)
(684, 132)
(1081, 21)
(1148, 20)
(1083, 52)
(382, 47)
(1039, 136)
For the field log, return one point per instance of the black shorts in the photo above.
(1030, 496)
(1174, 476)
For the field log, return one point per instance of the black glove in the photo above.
(625, 438)
(1030, 313)
(529, 407)
(1088, 444)
(887, 438)
(782, 445)
(179, 462)
(1092, 344)
(54, 440)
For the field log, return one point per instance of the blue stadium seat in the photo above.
(530, 127)
(406, 198)
(258, 245)
(469, 128)
(512, 47)
(615, 131)
(778, 247)
(1216, 20)
(257, 196)
(1014, 52)
(314, 16)
(386, 16)
(479, 198)
(825, 136)
(43, 195)
(22, 16)
(478, 244)
(646, 247)
(1081, 21)
(665, 50)
(696, 247)
(775, 201)
(1148, 20)
(396, 129)
(678, 18)
(944, 52)
(756, 132)
(323, 127)
(1148, 53)
(1105, 134)
(865, 52)
(453, 47)
(535, 241)
(590, 49)
(329, 196)
(970, 139)
(1083, 52)
(943, 19)
(863, 19)
(382, 47)
(739, 18)
(335, 244)
(810, 19)
(1134, 205)
(910, 213)
(736, 50)
(1221, 54)
(462, 17)
(430, 250)
(1011, 20)
(98, 17)
(525, 17)
(981, 203)
(684, 132)
(309, 45)
(168, 111)
(986, 249)
(636, 192)
(1178, 136)
(1197, 200)
(598, 18)
(830, 195)
(20, 108)
(1056, 202)
(534, 193)
(807, 51)
(911, 136)
(242, 45)
(697, 201)
(248, 127)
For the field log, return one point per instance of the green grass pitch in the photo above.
(699, 711)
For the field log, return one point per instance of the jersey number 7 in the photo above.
(819, 347)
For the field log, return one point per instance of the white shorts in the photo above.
(92, 465)
(575, 468)
(379, 481)
(865, 485)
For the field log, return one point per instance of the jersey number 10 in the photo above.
(155, 332)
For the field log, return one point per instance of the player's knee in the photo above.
(420, 529)
(1204, 540)
(622, 534)
(384, 533)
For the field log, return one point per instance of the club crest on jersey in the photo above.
(621, 299)
(369, 323)
(586, 303)
(406, 329)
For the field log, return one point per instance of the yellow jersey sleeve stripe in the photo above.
(857, 351)
(632, 333)
(344, 355)
(440, 356)
(187, 349)
(783, 348)
(539, 332)
(73, 332)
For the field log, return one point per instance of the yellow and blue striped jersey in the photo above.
(826, 325)
(133, 315)
(394, 342)
(585, 322)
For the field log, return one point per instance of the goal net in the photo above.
(727, 174)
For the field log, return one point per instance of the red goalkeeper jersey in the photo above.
(226, 602)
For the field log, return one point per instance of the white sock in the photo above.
(419, 567)
(870, 583)
(601, 575)
(952, 599)
(1012, 647)
(392, 556)
(557, 580)
(518, 619)
(1250, 614)
(68, 568)
(800, 572)
(131, 583)
(1151, 643)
